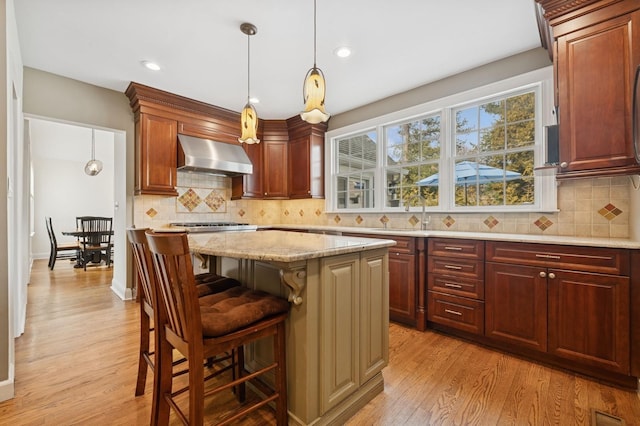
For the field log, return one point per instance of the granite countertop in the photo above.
(280, 246)
(525, 238)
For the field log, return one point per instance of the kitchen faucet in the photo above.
(423, 220)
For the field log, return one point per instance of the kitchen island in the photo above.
(337, 332)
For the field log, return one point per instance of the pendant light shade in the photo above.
(314, 88)
(93, 166)
(249, 117)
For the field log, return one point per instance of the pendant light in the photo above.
(249, 117)
(93, 166)
(314, 88)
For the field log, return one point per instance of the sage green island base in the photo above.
(338, 328)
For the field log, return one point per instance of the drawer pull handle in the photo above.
(548, 256)
(452, 285)
(453, 248)
(457, 268)
(449, 311)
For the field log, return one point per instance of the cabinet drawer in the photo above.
(453, 247)
(590, 259)
(456, 267)
(465, 287)
(456, 312)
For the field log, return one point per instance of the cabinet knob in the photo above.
(552, 275)
(265, 193)
(543, 274)
(564, 165)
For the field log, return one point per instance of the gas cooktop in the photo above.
(214, 226)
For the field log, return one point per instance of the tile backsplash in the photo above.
(596, 207)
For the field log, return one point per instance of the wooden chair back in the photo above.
(176, 288)
(97, 230)
(144, 266)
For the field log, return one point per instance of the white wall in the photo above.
(62, 190)
(13, 261)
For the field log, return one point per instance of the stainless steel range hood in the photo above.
(211, 157)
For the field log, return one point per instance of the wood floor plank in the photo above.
(77, 364)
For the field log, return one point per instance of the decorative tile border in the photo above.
(201, 200)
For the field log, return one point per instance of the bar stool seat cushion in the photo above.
(212, 286)
(230, 310)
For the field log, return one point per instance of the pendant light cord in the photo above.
(248, 67)
(93, 144)
(314, 33)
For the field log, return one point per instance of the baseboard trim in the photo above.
(121, 290)
(7, 389)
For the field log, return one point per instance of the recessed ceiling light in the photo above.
(342, 52)
(151, 65)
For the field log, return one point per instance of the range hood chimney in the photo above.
(216, 158)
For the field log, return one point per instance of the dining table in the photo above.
(80, 234)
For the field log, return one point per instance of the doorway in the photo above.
(62, 190)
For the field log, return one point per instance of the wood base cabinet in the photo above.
(570, 302)
(516, 305)
(406, 267)
(589, 319)
(456, 284)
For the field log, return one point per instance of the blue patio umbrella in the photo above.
(472, 173)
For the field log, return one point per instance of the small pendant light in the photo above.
(314, 88)
(93, 166)
(249, 117)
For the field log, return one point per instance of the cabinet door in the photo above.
(157, 152)
(340, 306)
(299, 177)
(589, 319)
(402, 288)
(374, 314)
(306, 167)
(595, 70)
(516, 305)
(250, 186)
(275, 169)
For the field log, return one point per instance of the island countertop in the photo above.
(280, 246)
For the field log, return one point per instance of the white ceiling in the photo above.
(397, 45)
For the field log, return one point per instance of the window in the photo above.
(412, 154)
(357, 162)
(494, 152)
(470, 152)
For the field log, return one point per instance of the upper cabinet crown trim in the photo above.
(139, 93)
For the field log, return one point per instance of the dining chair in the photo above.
(207, 283)
(96, 239)
(200, 328)
(59, 251)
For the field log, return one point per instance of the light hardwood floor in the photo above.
(76, 364)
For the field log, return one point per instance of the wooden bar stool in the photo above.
(206, 283)
(200, 328)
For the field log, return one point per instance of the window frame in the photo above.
(540, 81)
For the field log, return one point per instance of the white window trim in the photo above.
(545, 185)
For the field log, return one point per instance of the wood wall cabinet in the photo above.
(250, 186)
(156, 155)
(275, 170)
(159, 117)
(597, 51)
(270, 165)
(456, 284)
(306, 159)
(571, 302)
(406, 282)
